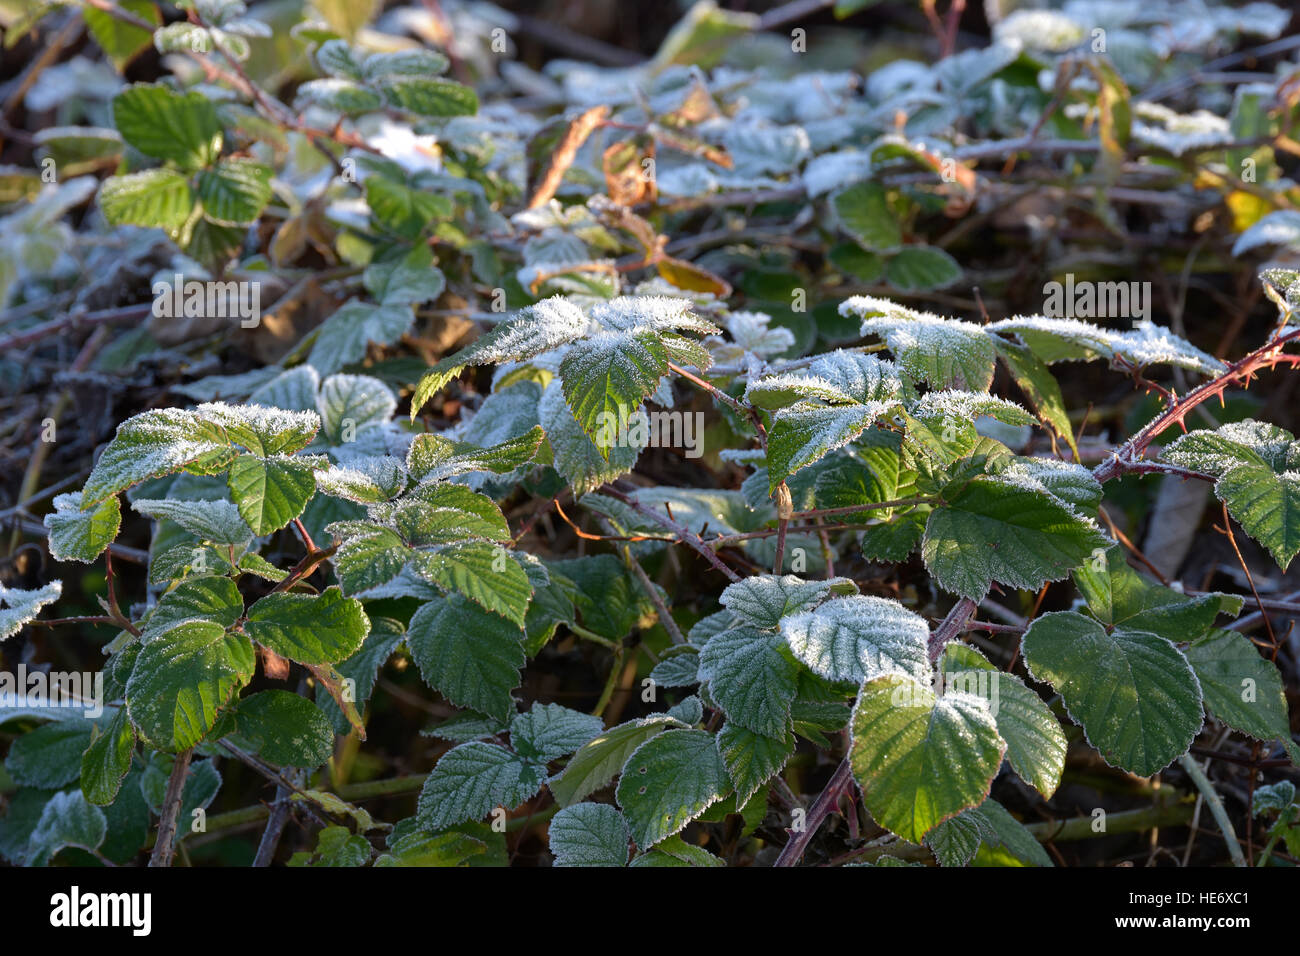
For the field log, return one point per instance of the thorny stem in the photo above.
(950, 626)
(1125, 459)
(687, 536)
(821, 808)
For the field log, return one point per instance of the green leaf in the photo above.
(208, 598)
(435, 457)
(107, 760)
(181, 127)
(485, 573)
(606, 378)
(22, 605)
(335, 846)
(1134, 692)
(213, 520)
(447, 849)
(1258, 470)
(762, 600)
(804, 433)
(751, 679)
(576, 457)
(49, 757)
(411, 279)
(589, 834)
(549, 731)
(119, 40)
(285, 729)
(944, 353)
(610, 601)
(752, 759)
(1241, 688)
(999, 530)
(235, 191)
(350, 404)
(429, 96)
(311, 629)
(157, 198)
(858, 638)
(182, 679)
(1035, 742)
(919, 268)
(344, 336)
(920, 759)
(668, 781)
(1117, 595)
(472, 779)
(468, 655)
(597, 762)
(155, 443)
(270, 492)
(77, 535)
(405, 211)
(988, 827)
(363, 667)
(67, 820)
(864, 213)
(1040, 387)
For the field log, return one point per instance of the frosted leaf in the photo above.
(830, 171)
(758, 149)
(762, 600)
(607, 376)
(76, 535)
(505, 414)
(155, 443)
(1068, 481)
(1215, 452)
(804, 433)
(577, 459)
(840, 377)
(960, 405)
(629, 313)
(1058, 339)
(1041, 30)
(344, 336)
(859, 638)
(549, 731)
(1280, 228)
(721, 512)
(20, 606)
(751, 679)
(750, 332)
(1158, 126)
(350, 403)
(262, 430)
(294, 390)
(536, 329)
(473, 778)
(589, 834)
(946, 353)
(364, 480)
(218, 521)
(1150, 344)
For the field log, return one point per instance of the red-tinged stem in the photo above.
(685, 535)
(1125, 460)
(840, 781)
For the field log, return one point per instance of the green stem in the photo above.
(1211, 797)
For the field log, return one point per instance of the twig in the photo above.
(165, 846)
(821, 808)
(1212, 801)
(950, 626)
(685, 535)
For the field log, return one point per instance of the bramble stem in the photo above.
(165, 846)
